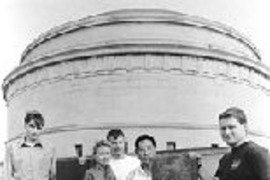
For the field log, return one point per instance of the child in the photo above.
(101, 169)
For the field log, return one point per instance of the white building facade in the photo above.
(145, 71)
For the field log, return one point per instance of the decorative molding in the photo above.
(139, 46)
(129, 63)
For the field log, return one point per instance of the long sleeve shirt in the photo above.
(24, 162)
(249, 161)
(99, 172)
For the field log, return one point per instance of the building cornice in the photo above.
(131, 48)
(139, 46)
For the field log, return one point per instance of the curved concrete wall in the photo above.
(143, 75)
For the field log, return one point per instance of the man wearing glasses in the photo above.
(30, 158)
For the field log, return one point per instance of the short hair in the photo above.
(115, 133)
(35, 116)
(101, 143)
(236, 113)
(145, 137)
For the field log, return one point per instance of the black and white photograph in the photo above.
(135, 90)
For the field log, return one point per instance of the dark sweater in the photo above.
(249, 161)
(99, 172)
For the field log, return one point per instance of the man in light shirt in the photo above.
(146, 150)
(121, 163)
(30, 158)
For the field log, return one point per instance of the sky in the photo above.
(24, 20)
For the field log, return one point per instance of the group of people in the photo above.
(112, 163)
(32, 159)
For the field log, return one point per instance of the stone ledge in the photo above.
(121, 65)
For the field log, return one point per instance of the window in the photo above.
(79, 150)
(171, 146)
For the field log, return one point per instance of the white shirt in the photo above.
(122, 167)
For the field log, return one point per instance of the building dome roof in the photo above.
(137, 32)
(241, 46)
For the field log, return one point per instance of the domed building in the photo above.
(145, 71)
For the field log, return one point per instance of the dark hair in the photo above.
(115, 133)
(35, 116)
(236, 113)
(101, 143)
(145, 137)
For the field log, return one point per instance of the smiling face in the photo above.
(118, 146)
(232, 132)
(103, 154)
(146, 151)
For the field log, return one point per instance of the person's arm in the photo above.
(130, 175)
(202, 172)
(204, 175)
(260, 161)
(111, 175)
(53, 166)
(88, 176)
(8, 164)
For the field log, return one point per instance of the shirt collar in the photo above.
(145, 169)
(241, 146)
(24, 144)
(145, 166)
(100, 166)
(35, 145)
